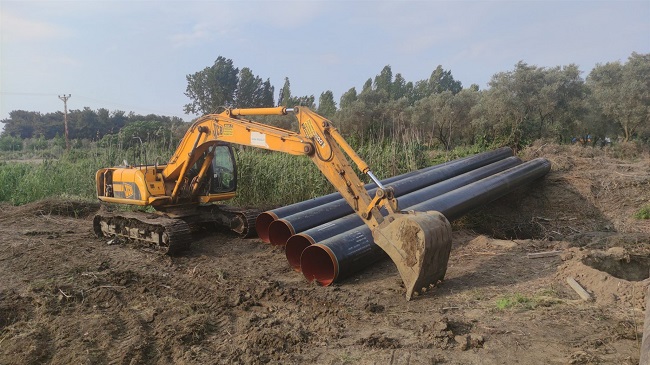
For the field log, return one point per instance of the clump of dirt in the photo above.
(76, 208)
(380, 340)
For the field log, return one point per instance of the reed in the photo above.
(265, 179)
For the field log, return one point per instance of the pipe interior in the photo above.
(279, 233)
(262, 224)
(317, 264)
(293, 250)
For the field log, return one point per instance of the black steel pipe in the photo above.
(265, 219)
(298, 242)
(282, 229)
(342, 255)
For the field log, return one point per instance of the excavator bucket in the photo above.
(419, 244)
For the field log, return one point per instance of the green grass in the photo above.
(515, 301)
(265, 179)
(643, 213)
(542, 298)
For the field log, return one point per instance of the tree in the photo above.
(533, 102)
(103, 122)
(622, 91)
(82, 123)
(307, 100)
(145, 131)
(463, 104)
(513, 101)
(212, 88)
(560, 102)
(348, 98)
(399, 88)
(446, 117)
(118, 120)
(246, 89)
(420, 91)
(442, 80)
(265, 97)
(22, 124)
(368, 116)
(326, 104)
(384, 81)
(252, 91)
(367, 86)
(285, 93)
(289, 101)
(10, 143)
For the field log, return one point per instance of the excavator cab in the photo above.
(223, 177)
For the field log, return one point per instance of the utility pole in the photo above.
(65, 118)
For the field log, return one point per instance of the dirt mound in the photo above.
(590, 198)
(67, 297)
(614, 277)
(67, 207)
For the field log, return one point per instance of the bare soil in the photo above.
(67, 297)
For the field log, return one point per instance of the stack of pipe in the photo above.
(327, 241)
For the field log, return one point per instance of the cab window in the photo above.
(224, 174)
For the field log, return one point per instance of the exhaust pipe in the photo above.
(339, 256)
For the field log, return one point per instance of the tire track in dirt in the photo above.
(129, 342)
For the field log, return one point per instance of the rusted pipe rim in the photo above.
(319, 263)
(293, 250)
(280, 231)
(262, 224)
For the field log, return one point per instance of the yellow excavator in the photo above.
(203, 171)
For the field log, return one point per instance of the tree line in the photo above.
(519, 106)
(85, 124)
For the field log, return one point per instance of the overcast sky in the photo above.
(135, 55)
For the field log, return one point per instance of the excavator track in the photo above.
(168, 235)
(171, 232)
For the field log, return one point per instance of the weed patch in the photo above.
(643, 213)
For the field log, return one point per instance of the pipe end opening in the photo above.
(294, 248)
(318, 263)
(262, 224)
(279, 232)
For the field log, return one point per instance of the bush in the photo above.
(36, 144)
(11, 143)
